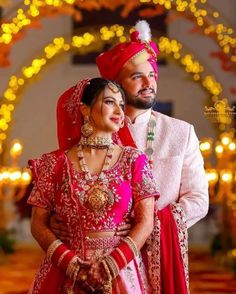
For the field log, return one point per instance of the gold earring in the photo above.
(87, 128)
(122, 124)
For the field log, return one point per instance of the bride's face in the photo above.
(107, 114)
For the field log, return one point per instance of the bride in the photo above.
(93, 184)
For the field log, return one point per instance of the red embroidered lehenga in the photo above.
(62, 189)
(161, 267)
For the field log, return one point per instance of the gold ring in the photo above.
(83, 277)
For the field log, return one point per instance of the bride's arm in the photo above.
(144, 221)
(59, 254)
(144, 192)
(39, 227)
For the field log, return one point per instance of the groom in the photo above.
(171, 145)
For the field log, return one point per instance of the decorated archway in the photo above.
(170, 48)
(208, 21)
(33, 11)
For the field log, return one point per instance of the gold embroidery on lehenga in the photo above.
(67, 197)
(153, 255)
(180, 220)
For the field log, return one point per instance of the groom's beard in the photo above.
(140, 102)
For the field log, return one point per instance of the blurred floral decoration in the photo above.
(13, 184)
(220, 166)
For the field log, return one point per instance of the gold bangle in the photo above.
(107, 288)
(52, 247)
(76, 271)
(106, 268)
(122, 255)
(131, 244)
(73, 267)
(110, 264)
(83, 277)
(62, 256)
(113, 265)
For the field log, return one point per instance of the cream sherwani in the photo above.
(178, 164)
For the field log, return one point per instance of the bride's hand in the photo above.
(91, 279)
(97, 273)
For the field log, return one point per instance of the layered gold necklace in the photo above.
(97, 194)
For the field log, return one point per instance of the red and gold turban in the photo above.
(111, 62)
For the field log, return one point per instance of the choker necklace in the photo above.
(96, 142)
(97, 195)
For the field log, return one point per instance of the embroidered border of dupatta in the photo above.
(153, 248)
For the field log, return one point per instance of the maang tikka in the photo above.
(87, 128)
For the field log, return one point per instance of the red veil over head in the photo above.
(69, 116)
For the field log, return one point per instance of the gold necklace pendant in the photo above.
(97, 198)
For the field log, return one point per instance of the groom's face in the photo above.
(139, 84)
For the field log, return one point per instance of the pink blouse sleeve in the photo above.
(143, 183)
(43, 190)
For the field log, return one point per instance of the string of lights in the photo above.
(167, 47)
(206, 20)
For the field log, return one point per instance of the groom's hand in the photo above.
(123, 230)
(58, 228)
